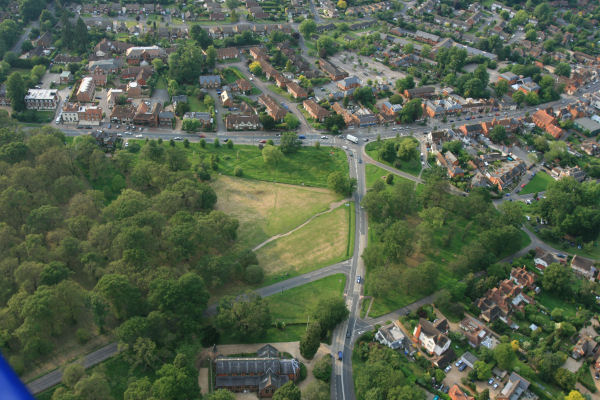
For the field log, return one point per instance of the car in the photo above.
(251, 78)
(108, 126)
(507, 194)
(57, 120)
(495, 386)
(394, 129)
(263, 141)
(457, 364)
(177, 138)
(216, 111)
(348, 333)
(360, 160)
(301, 137)
(139, 136)
(119, 135)
(462, 367)
(358, 279)
(98, 97)
(340, 355)
(522, 186)
(324, 137)
(226, 140)
(448, 368)
(491, 381)
(126, 144)
(366, 139)
(436, 398)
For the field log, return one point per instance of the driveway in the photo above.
(160, 95)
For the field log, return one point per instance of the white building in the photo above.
(41, 99)
(70, 114)
(428, 336)
(391, 336)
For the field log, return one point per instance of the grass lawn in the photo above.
(308, 166)
(232, 74)
(322, 242)
(293, 307)
(551, 302)
(538, 184)
(265, 209)
(161, 83)
(373, 173)
(196, 105)
(412, 166)
(281, 92)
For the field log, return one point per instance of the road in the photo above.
(54, 378)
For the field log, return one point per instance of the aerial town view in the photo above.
(300, 200)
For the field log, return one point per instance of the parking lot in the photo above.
(375, 71)
(454, 376)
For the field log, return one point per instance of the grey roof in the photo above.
(267, 351)
(259, 366)
(166, 114)
(236, 381)
(469, 358)
(210, 79)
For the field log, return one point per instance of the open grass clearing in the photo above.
(308, 166)
(412, 166)
(539, 183)
(321, 242)
(373, 173)
(266, 209)
(196, 105)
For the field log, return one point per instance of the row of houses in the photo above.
(224, 31)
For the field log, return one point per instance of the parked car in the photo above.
(177, 138)
(262, 141)
(358, 279)
(324, 137)
(139, 136)
(462, 367)
(301, 137)
(491, 381)
(448, 368)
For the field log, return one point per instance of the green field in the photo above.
(322, 242)
(265, 209)
(308, 166)
(412, 166)
(373, 173)
(539, 183)
(293, 307)
(196, 105)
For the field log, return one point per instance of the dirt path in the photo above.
(332, 207)
(292, 348)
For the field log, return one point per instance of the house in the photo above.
(349, 118)
(543, 259)
(391, 336)
(428, 336)
(226, 98)
(587, 125)
(543, 120)
(349, 83)
(217, 16)
(334, 73)
(273, 109)
(86, 90)
(523, 278)
(477, 333)
(123, 114)
(45, 40)
(210, 81)
(110, 66)
(66, 59)
(390, 109)
(263, 374)
(112, 96)
(65, 77)
(143, 76)
(228, 53)
(499, 302)
(242, 122)
(509, 77)
(135, 55)
(297, 91)
(584, 267)
(506, 174)
(147, 114)
(204, 118)
(280, 80)
(456, 393)
(165, 119)
(471, 129)
(69, 113)
(590, 147)
(584, 347)
(89, 115)
(99, 77)
(105, 139)
(315, 111)
(569, 172)
(510, 125)
(243, 85)
(41, 99)
(424, 92)
(106, 46)
(133, 90)
(365, 117)
(514, 388)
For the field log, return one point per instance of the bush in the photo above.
(303, 372)
(322, 368)
(254, 274)
(202, 143)
(38, 117)
(238, 171)
(83, 335)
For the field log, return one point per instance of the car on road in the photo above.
(262, 141)
(324, 137)
(177, 138)
(348, 333)
(139, 136)
(301, 137)
(225, 140)
(340, 355)
(436, 398)
(358, 279)
(365, 139)
(202, 135)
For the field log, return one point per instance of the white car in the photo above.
(324, 137)
(139, 136)
(177, 138)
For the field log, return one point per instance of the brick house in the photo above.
(99, 77)
(123, 114)
(147, 114)
(86, 90)
(90, 115)
(315, 111)
(244, 85)
(228, 53)
(296, 90)
(242, 122)
(349, 83)
(334, 73)
(423, 92)
(135, 55)
(273, 109)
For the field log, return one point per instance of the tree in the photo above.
(289, 142)
(186, 64)
(513, 213)
(406, 83)
(291, 121)
(425, 50)
(94, 387)
(72, 374)
(221, 394)
(176, 381)
(518, 97)
(316, 391)
(271, 155)
(557, 279)
(341, 183)
(326, 46)
(501, 88)
(334, 123)
(408, 48)
(406, 392)
(211, 56)
(364, 95)
(15, 91)
(330, 312)
(311, 340)
(289, 391)
(138, 390)
(498, 134)
(396, 99)
(255, 67)
(307, 28)
(504, 355)
(574, 395)
(563, 69)
(322, 368)
(482, 370)
(412, 111)
(565, 379)
(342, 5)
(81, 40)
(248, 317)
(124, 298)
(201, 36)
